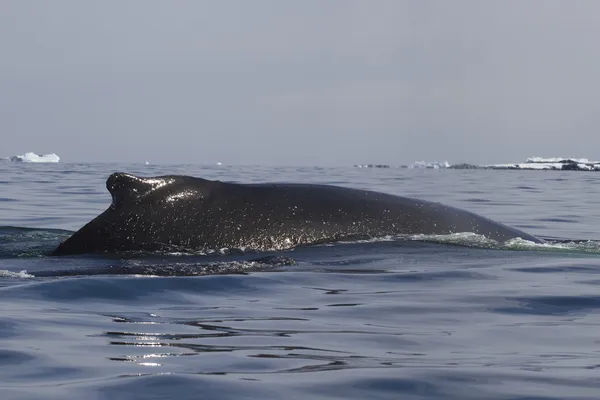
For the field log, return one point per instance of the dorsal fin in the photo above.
(127, 188)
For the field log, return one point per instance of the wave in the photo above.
(473, 240)
(160, 268)
(531, 163)
(480, 241)
(23, 255)
(31, 157)
(29, 242)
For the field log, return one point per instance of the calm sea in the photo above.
(442, 318)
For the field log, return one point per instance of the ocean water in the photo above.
(453, 317)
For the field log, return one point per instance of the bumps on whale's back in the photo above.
(127, 188)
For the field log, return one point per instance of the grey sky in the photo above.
(306, 82)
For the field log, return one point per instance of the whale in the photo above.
(172, 213)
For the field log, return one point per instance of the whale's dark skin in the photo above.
(173, 213)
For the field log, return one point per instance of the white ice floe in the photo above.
(36, 158)
(429, 165)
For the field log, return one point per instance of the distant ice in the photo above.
(532, 163)
(560, 160)
(551, 163)
(36, 158)
(429, 165)
(372, 166)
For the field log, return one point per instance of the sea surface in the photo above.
(453, 317)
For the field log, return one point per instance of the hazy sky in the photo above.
(305, 82)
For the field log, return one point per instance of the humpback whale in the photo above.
(185, 213)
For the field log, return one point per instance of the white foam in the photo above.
(460, 238)
(9, 274)
(470, 239)
(36, 158)
(589, 246)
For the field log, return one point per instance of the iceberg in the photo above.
(36, 158)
